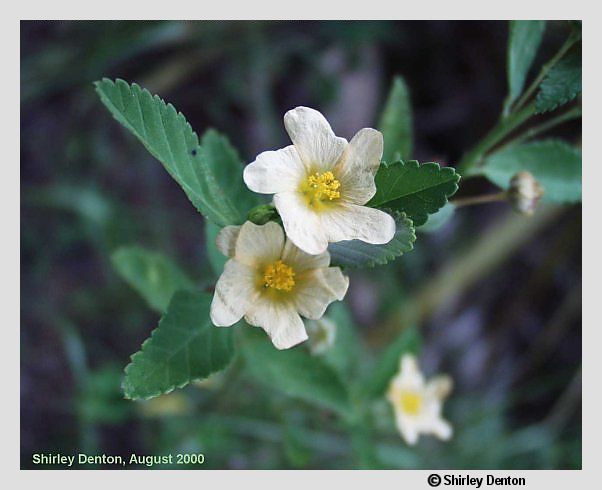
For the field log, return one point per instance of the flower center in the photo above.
(411, 402)
(320, 187)
(279, 276)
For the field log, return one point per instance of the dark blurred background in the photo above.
(497, 295)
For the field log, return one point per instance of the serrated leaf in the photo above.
(562, 83)
(417, 190)
(554, 163)
(166, 134)
(523, 43)
(409, 341)
(183, 348)
(355, 253)
(294, 372)
(227, 167)
(155, 277)
(396, 123)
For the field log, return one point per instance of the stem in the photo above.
(497, 134)
(469, 201)
(574, 113)
(544, 71)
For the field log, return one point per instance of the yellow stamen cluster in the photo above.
(279, 276)
(322, 187)
(410, 402)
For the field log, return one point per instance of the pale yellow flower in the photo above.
(321, 183)
(272, 283)
(417, 404)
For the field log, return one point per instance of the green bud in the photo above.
(263, 213)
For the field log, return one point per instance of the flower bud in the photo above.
(263, 213)
(524, 192)
(321, 334)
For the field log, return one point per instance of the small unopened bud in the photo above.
(321, 334)
(263, 213)
(524, 192)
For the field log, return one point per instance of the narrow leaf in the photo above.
(554, 163)
(155, 277)
(184, 347)
(417, 190)
(562, 83)
(396, 123)
(523, 43)
(166, 134)
(294, 372)
(355, 253)
(409, 341)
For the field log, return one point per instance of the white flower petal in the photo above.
(353, 222)
(408, 428)
(280, 320)
(275, 171)
(301, 261)
(358, 165)
(302, 225)
(317, 289)
(439, 387)
(258, 245)
(234, 292)
(441, 428)
(409, 377)
(226, 240)
(314, 139)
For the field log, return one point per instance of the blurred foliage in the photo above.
(496, 296)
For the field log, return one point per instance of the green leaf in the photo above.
(396, 123)
(417, 190)
(355, 253)
(183, 348)
(155, 277)
(388, 362)
(554, 163)
(438, 219)
(227, 166)
(294, 372)
(216, 259)
(523, 43)
(562, 83)
(166, 134)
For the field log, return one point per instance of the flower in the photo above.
(322, 333)
(417, 404)
(524, 192)
(321, 182)
(271, 282)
